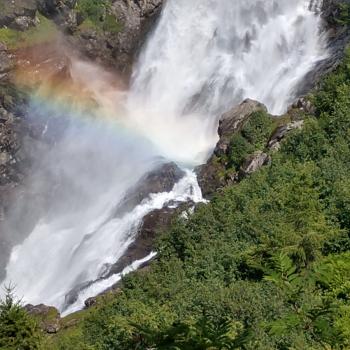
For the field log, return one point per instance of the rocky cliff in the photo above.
(28, 28)
(45, 34)
(112, 39)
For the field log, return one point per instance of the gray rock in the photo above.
(118, 50)
(3, 47)
(233, 121)
(48, 317)
(90, 302)
(6, 64)
(4, 158)
(338, 40)
(162, 179)
(23, 23)
(303, 104)
(281, 132)
(254, 163)
(12, 10)
(210, 175)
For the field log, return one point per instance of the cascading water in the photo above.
(203, 57)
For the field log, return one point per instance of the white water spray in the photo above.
(203, 57)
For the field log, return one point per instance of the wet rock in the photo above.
(331, 11)
(90, 302)
(338, 39)
(162, 179)
(153, 223)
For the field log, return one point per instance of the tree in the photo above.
(18, 331)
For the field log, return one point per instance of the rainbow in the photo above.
(60, 83)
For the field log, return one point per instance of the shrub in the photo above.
(18, 331)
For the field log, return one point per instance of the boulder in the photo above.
(215, 174)
(90, 302)
(212, 175)
(48, 317)
(18, 14)
(161, 179)
(23, 23)
(153, 223)
(233, 120)
(255, 162)
(281, 132)
(303, 104)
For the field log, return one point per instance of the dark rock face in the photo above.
(162, 179)
(6, 64)
(62, 11)
(153, 223)
(18, 14)
(213, 175)
(338, 39)
(116, 50)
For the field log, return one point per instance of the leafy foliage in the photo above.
(343, 17)
(18, 331)
(266, 264)
(253, 137)
(96, 14)
(44, 31)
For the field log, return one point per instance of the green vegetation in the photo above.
(265, 265)
(96, 15)
(343, 17)
(253, 137)
(44, 31)
(18, 331)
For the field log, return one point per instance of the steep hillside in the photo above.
(264, 265)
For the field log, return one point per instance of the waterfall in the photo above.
(203, 57)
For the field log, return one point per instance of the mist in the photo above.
(99, 140)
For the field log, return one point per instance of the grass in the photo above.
(109, 24)
(97, 16)
(44, 31)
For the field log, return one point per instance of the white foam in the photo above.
(203, 57)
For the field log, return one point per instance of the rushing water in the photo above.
(203, 57)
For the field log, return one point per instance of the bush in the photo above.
(96, 14)
(18, 331)
(258, 129)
